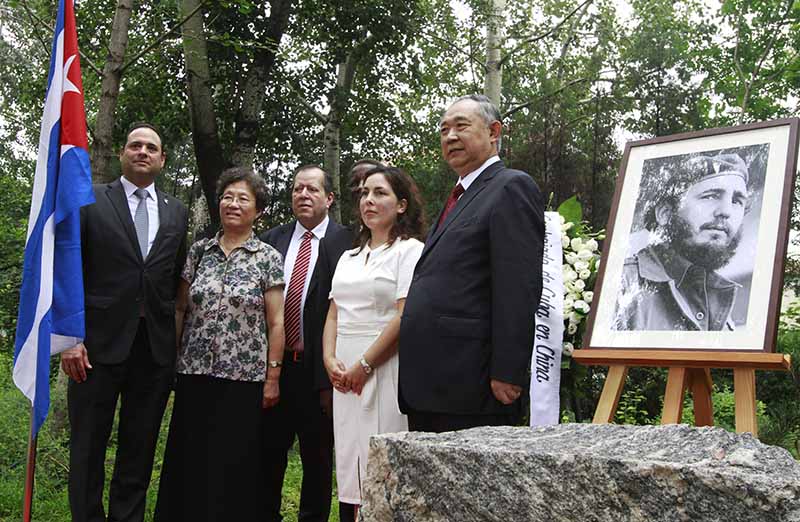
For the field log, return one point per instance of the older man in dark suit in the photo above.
(133, 245)
(311, 247)
(467, 330)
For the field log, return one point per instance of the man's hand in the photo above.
(75, 361)
(326, 402)
(271, 393)
(505, 392)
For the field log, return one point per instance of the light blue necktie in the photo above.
(142, 221)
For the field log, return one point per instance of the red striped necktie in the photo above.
(294, 296)
(451, 202)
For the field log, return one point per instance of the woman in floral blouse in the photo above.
(230, 321)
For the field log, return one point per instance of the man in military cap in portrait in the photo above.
(694, 216)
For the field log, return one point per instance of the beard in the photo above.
(710, 256)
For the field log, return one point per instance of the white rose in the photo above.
(580, 265)
(561, 219)
(584, 254)
(574, 317)
(579, 284)
(597, 264)
(576, 243)
(581, 306)
(572, 329)
(564, 241)
(569, 274)
(568, 305)
(588, 296)
(584, 274)
(574, 296)
(567, 349)
(591, 244)
(571, 257)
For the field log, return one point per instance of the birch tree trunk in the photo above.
(249, 117)
(205, 136)
(102, 145)
(339, 99)
(493, 80)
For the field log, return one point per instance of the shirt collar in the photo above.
(318, 231)
(251, 244)
(467, 180)
(130, 188)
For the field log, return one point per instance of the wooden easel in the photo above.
(687, 370)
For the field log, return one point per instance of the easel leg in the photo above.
(612, 389)
(744, 393)
(701, 385)
(673, 396)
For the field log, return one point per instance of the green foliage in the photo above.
(571, 210)
(632, 409)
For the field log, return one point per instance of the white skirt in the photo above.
(357, 417)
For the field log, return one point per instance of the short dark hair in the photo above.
(357, 171)
(253, 180)
(327, 179)
(145, 125)
(411, 223)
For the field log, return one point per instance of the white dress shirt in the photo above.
(467, 180)
(152, 207)
(291, 255)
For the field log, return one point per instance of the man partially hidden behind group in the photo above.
(133, 245)
(696, 223)
(466, 333)
(311, 247)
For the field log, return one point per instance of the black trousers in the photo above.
(441, 422)
(298, 413)
(144, 388)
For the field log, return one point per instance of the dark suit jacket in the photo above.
(337, 239)
(116, 280)
(468, 317)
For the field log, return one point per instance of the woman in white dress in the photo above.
(360, 339)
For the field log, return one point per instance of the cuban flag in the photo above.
(51, 298)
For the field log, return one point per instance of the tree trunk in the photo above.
(249, 117)
(207, 147)
(102, 145)
(338, 99)
(493, 81)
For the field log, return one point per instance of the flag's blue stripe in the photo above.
(74, 183)
(41, 402)
(59, 28)
(32, 264)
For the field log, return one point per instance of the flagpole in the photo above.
(30, 470)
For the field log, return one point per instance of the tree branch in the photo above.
(470, 54)
(528, 103)
(161, 38)
(544, 35)
(40, 22)
(307, 106)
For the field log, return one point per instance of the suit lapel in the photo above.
(285, 237)
(473, 190)
(116, 195)
(322, 259)
(164, 215)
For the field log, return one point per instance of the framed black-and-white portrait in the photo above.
(696, 241)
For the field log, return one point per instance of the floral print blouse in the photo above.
(225, 328)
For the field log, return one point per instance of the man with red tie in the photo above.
(467, 330)
(311, 247)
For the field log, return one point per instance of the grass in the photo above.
(50, 502)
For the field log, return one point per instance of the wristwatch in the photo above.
(365, 366)
(275, 364)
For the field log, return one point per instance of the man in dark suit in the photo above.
(133, 245)
(311, 247)
(467, 330)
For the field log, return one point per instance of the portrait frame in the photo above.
(771, 146)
